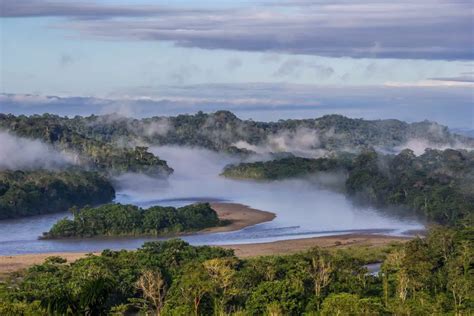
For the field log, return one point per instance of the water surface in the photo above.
(303, 208)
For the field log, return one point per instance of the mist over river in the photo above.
(303, 207)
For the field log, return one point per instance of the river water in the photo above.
(304, 208)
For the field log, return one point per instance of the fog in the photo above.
(22, 153)
(302, 142)
(419, 145)
(304, 207)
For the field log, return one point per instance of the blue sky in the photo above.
(165, 49)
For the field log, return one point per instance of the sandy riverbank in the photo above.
(9, 264)
(239, 216)
(297, 245)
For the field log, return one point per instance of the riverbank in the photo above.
(238, 217)
(10, 264)
(285, 247)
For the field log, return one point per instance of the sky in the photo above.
(411, 60)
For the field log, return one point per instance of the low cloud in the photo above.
(448, 105)
(22, 153)
(303, 142)
(419, 145)
(159, 127)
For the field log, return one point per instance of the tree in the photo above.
(222, 273)
(153, 286)
(194, 284)
(345, 304)
(276, 296)
(90, 285)
(320, 270)
(461, 278)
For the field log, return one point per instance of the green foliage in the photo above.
(21, 309)
(24, 193)
(351, 305)
(281, 294)
(101, 138)
(220, 131)
(118, 219)
(94, 152)
(438, 185)
(282, 168)
(430, 276)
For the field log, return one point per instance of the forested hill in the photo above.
(26, 193)
(93, 153)
(223, 131)
(438, 185)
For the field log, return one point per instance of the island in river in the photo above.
(237, 216)
(129, 220)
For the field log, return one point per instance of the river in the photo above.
(304, 208)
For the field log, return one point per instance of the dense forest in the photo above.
(130, 220)
(24, 193)
(437, 184)
(99, 155)
(425, 276)
(219, 131)
(429, 276)
(292, 167)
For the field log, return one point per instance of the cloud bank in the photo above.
(429, 29)
(448, 105)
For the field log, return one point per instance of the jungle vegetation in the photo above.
(25, 193)
(99, 155)
(285, 168)
(130, 220)
(429, 276)
(219, 131)
(438, 185)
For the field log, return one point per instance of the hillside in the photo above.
(223, 131)
(96, 154)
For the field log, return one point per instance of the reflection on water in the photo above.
(302, 208)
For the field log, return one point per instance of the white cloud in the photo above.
(23, 153)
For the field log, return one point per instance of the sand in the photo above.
(10, 264)
(284, 247)
(239, 216)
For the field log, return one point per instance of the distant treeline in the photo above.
(429, 276)
(291, 167)
(436, 184)
(25, 193)
(93, 152)
(130, 220)
(97, 137)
